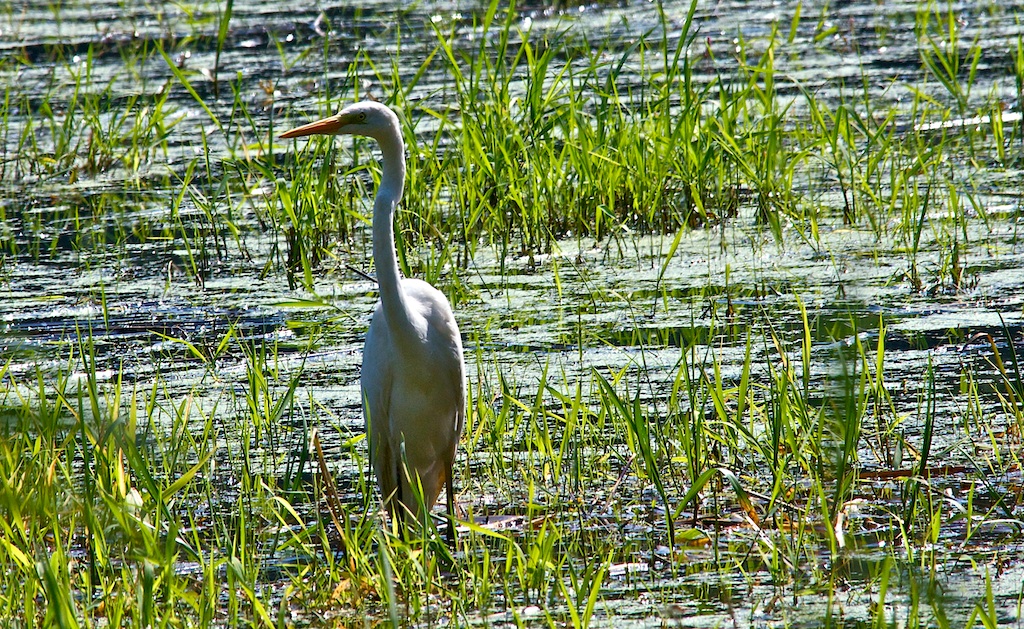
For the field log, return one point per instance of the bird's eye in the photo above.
(362, 117)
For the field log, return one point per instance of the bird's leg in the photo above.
(450, 493)
(397, 503)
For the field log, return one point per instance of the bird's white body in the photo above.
(414, 394)
(413, 378)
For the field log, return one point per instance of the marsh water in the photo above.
(128, 282)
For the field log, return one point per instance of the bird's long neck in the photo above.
(388, 195)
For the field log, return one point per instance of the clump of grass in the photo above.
(578, 151)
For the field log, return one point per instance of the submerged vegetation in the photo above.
(742, 299)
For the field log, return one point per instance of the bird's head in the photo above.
(366, 118)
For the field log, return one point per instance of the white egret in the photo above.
(413, 383)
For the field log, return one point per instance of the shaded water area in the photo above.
(147, 251)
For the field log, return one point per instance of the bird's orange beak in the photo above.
(326, 126)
